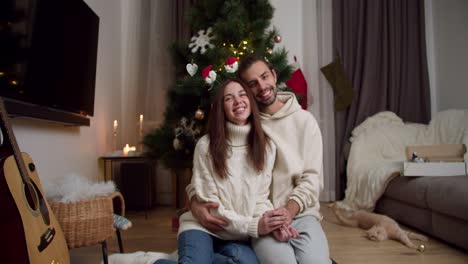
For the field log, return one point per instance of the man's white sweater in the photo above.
(298, 168)
(242, 195)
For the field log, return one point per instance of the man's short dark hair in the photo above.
(247, 61)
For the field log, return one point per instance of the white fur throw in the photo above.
(378, 151)
(74, 188)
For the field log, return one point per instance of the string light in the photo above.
(240, 49)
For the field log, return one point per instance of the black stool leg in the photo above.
(119, 239)
(104, 252)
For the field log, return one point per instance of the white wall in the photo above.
(58, 150)
(287, 19)
(447, 41)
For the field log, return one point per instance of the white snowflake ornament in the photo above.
(201, 41)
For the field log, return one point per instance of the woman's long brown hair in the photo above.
(218, 133)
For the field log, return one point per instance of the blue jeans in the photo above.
(199, 247)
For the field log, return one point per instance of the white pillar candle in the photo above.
(115, 126)
(126, 149)
(141, 125)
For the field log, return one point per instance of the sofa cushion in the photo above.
(450, 229)
(449, 196)
(410, 190)
(404, 213)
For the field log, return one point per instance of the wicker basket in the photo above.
(88, 222)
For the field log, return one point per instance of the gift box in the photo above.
(435, 160)
(440, 152)
(434, 168)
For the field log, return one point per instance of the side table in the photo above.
(133, 176)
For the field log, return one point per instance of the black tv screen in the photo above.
(58, 72)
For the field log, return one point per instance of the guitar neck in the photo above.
(9, 139)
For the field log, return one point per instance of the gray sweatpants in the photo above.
(311, 247)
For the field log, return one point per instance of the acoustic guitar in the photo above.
(29, 229)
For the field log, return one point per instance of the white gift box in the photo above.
(434, 168)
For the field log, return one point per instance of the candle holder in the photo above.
(114, 141)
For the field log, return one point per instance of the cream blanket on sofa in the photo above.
(378, 151)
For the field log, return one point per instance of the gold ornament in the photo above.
(421, 248)
(199, 115)
(269, 51)
(277, 38)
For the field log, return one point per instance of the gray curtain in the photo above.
(381, 44)
(181, 9)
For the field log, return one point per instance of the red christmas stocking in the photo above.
(298, 84)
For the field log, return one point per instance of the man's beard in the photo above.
(264, 104)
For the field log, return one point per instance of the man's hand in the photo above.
(284, 233)
(270, 221)
(201, 211)
(285, 213)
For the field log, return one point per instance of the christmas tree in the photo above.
(224, 32)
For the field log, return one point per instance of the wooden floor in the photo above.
(347, 245)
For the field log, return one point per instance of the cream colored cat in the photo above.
(379, 227)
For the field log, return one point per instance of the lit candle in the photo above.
(141, 125)
(126, 149)
(115, 127)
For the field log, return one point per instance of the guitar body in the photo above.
(29, 229)
(43, 237)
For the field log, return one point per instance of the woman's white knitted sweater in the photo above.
(242, 195)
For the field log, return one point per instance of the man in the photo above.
(297, 177)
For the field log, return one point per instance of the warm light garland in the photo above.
(239, 50)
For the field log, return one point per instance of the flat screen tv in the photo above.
(56, 69)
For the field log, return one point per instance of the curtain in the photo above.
(148, 29)
(180, 11)
(382, 47)
(167, 24)
(159, 72)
